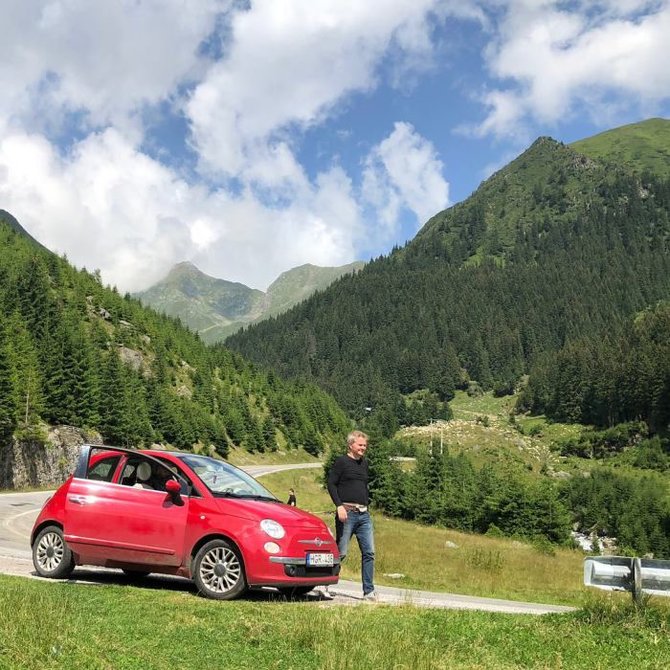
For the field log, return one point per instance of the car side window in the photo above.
(187, 488)
(144, 473)
(104, 469)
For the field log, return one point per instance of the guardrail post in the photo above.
(637, 581)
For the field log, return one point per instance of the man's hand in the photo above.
(341, 513)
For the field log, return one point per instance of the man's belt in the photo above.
(355, 507)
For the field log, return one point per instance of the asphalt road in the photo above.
(19, 510)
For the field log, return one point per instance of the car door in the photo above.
(122, 520)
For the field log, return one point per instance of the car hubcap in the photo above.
(220, 570)
(50, 552)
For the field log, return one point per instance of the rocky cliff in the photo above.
(39, 463)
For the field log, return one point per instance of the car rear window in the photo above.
(104, 469)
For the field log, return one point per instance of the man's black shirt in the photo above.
(348, 481)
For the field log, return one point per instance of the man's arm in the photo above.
(333, 480)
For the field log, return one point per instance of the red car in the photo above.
(180, 514)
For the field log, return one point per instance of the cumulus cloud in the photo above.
(404, 171)
(97, 63)
(290, 63)
(83, 82)
(251, 77)
(106, 205)
(112, 208)
(559, 60)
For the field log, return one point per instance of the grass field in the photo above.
(483, 428)
(242, 457)
(78, 627)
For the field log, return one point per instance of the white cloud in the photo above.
(286, 65)
(559, 61)
(106, 205)
(404, 171)
(290, 63)
(110, 207)
(90, 76)
(103, 61)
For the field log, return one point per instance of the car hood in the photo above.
(287, 516)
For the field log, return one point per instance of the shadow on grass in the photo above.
(159, 582)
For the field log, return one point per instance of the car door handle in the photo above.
(78, 500)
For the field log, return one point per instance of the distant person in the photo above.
(348, 488)
(291, 498)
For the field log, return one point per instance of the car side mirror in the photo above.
(173, 487)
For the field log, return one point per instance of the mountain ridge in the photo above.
(553, 247)
(216, 308)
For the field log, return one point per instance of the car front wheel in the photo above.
(51, 555)
(218, 571)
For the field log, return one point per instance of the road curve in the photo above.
(19, 510)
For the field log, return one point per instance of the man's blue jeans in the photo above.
(360, 525)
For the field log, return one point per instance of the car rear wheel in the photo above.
(218, 571)
(51, 556)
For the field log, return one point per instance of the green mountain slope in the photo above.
(10, 221)
(296, 285)
(643, 146)
(205, 304)
(553, 247)
(75, 352)
(215, 308)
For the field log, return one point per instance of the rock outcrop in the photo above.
(37, 463)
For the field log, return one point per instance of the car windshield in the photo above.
(225, 480)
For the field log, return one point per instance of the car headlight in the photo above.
(273, 529)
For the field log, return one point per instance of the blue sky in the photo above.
(251, 137)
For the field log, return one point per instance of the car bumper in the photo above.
(285, 571)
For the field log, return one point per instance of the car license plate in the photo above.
(314, 560)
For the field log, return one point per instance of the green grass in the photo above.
(644, 146)
(468, 407)
(310, 493)
(483, 428)
(76, 627)
(242, 457)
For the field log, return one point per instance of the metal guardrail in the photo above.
(623, 573)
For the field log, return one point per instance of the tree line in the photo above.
(505, 499)
(75, 352)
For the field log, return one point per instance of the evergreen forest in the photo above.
(75, 352)
(550, 283)
(553, 253)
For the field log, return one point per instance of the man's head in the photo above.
(357, 444)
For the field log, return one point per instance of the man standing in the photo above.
(348, 488)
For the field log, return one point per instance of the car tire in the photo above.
(292, 592)
(218, 571)
(52, 557)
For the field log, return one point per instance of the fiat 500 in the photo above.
(180, 514)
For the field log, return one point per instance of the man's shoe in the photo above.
(371, 597)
